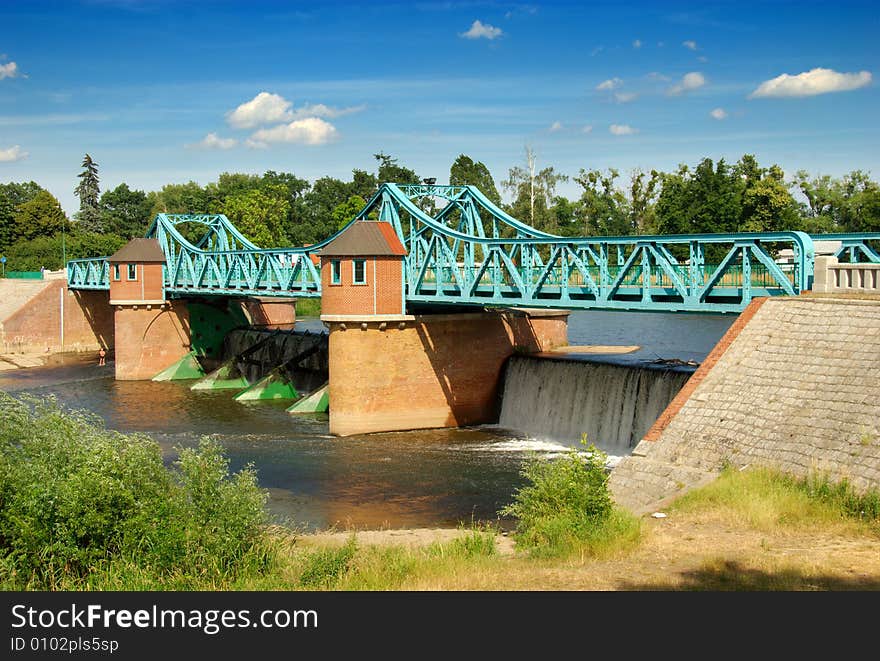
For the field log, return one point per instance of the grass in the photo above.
(308, 307)
(764, 499)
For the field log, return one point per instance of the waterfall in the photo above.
(615, 404)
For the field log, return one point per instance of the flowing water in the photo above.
(612, 405)
(402, 479)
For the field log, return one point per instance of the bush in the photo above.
(566, 506)
(77, 500)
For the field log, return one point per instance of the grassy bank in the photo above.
(308, 307)
(82, 507)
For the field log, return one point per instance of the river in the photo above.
(403, 479)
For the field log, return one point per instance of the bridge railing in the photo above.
(91, 273)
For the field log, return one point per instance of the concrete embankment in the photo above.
(793, 385)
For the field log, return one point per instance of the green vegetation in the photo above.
(280, 209)
(764, 499)
(566, 508)
(85, 507)
(308, 307)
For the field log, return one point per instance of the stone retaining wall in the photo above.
(798, 389)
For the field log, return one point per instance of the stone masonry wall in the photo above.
(798, 390)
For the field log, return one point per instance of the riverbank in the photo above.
(761, 539)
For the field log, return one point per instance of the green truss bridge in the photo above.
(464, 250)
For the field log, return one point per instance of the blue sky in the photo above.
(159, 91)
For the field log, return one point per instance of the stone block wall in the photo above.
(797, 389)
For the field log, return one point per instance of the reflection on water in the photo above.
(419, 478)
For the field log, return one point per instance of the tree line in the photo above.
(281, 209)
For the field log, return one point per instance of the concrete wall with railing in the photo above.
(833, 276)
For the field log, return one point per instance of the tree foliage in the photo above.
(125, 212)
(88, 190)
(260, 214)
(466, 172)
(533, 193)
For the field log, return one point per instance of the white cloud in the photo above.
(264, 108)
(810, 83)
(308, 131)
(13, 154)
(255, 144)
(596, 51)
(656, 75)
(587, 129)
(718, 113)
(622, 129)
(610, 84)
(689, 82)
(625, 97)
(637, 44)
(320, 110)
(479, 30)
(555, 126)
(214, 141)
(689, 44)
(9, 70)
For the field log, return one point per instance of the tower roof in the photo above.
(365, 238)
(139, 250)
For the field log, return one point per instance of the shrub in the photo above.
(77, 500)
(566, 506)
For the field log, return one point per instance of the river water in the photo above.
(402, 479)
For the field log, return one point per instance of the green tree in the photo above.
(88, 191)
(363, 184)
(767, 204)
(260, 215)
(390, 171)
(12, 196)
(125, 212)
(465, 172)
(533, 191)
(41, 216)
(182, 198)
(602, 206)
(705, 200)
(318, 223)
(849, 204)
(345, 212)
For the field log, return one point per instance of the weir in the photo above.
(560, 399)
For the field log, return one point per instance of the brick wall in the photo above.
(796, 390)
(36, 325)
(384, 276)
(271, 313)
(147, 286)
(432, 371)
(150, 338)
